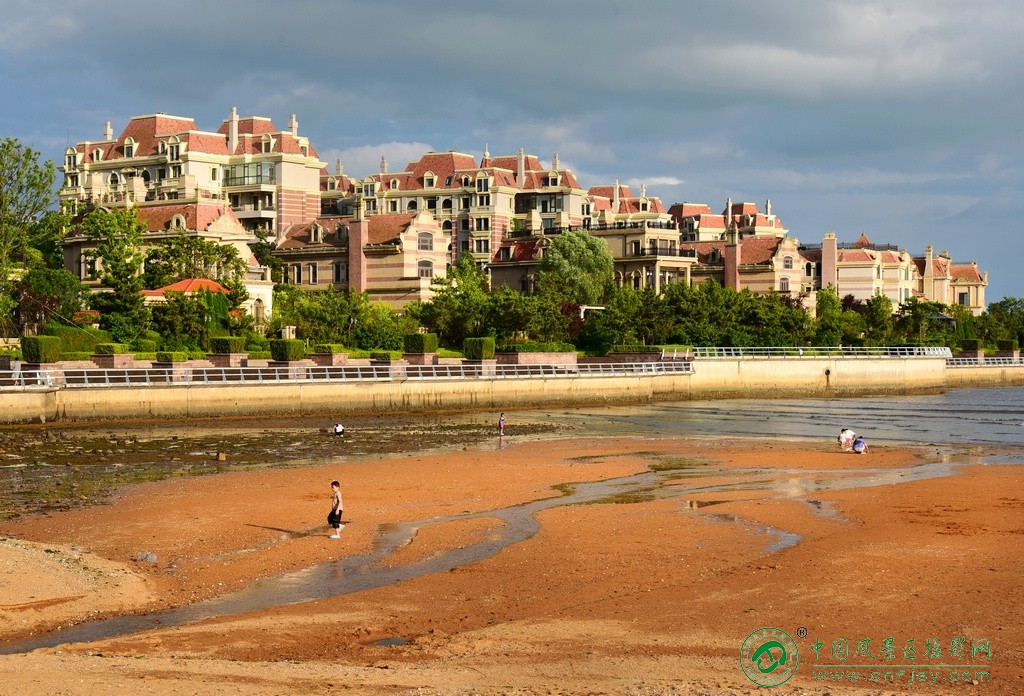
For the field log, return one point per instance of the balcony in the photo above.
(250, 180)
(662, 252)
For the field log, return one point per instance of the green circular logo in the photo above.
(769, 657)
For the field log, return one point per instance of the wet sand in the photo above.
(646, 589)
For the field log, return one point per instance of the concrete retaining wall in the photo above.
(713, 378)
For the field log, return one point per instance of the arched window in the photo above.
(258, 311)
(114, 179)
(787, 263)
(425, 269)
(784, 285)
(412, 205)
(446, 204)
(425, 241)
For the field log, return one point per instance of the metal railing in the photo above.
(825, 352)
(983, 362)
(152, 377)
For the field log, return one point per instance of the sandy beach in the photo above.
(644, 590)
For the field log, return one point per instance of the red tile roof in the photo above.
(198, 216)
(188, 286)
(966, 272)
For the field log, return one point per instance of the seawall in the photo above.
(750, 377)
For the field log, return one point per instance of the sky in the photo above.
(901, 120)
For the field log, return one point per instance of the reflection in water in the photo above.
(367, 571)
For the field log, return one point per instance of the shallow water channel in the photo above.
(518, 523)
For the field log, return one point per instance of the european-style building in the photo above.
(390, 233)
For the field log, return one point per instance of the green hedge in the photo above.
(380, 355)
(41, 349)
(478, 348)
(75, 355)
(148, 355)
(172, 356)
(227, 344)
(260, 355)
(420, 343)
(637, 348)
(145, 345)
(970, 344)
(78, 340)
(1006, 344)
(112, 349)
(553, 347)
(328, 348)
(287, 349)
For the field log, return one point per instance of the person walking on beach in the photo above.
(334, 517)
(501, 424)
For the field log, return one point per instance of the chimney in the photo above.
(829, 261)
(338, 169)
(358, 234)
(383, 165)
(521, 171)
(554, 162)
(733, 259)
(728, 211)
(768, 208)
(233, 131)
(615, 197)
(293, 125)
(108, 132)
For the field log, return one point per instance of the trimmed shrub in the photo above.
(196, 355)
(75, 355)
(41, 349)
(287, 349)
(970, 344)
(553, 347)
(478, 348)
(227, 344)
(78, 340)
(328, 348)
(420, 343)
(145, 345)
(637, 348)
(380, 355)
(172, 356)
(1007, 344)
(260, 355)
(111, 349)
(148, 355)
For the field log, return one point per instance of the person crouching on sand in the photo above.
(860, 445)
(334, 517)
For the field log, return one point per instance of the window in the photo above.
(483, 184)
(297, 274)
(174, 152)
(465, 202)
(787, 263)
(784, 285)
(431, 204)
(73, 180)
(369, 189)
(448, 181)
(636, 247)
(392, 206)
(446, 204)
(466, 180)
(214, 173)
(129, 148)
(425, 269)
(339, 273)
(259, 311)
(643, 206)
(371, 205)
(464, 224)
(963, 299)
(482, 246)
(483, 224)
(464, 246)
(70, 161)
(425, 241)
(484, 201)
(114, 179)
(312, 274)
(176, 171)
(412, 205)
(428, 182)
(394, 184)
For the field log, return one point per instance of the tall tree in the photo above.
(118, 237)
(49, 293)
(26, 192)
(577, 268)
(458, 309)
(188, 256)
(828, 326)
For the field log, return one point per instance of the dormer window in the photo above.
(97, 155)
(448, 181)
(316, 234)
(428, 181)
(129, 148)
(305, 150)
(174, 152)
(70, 160)
(161, 147)
(369, 189)
(483, 184)
(643, 206)
(466, 180)
(394, 184)
(266, 145)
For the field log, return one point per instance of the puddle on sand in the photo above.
(366, 571)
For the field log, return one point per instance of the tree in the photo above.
(26, 192)
(577, 268)
(118, 237)
(878, 323)
(188, 256)
(459, 307)
(828, 327)
(45, 293)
